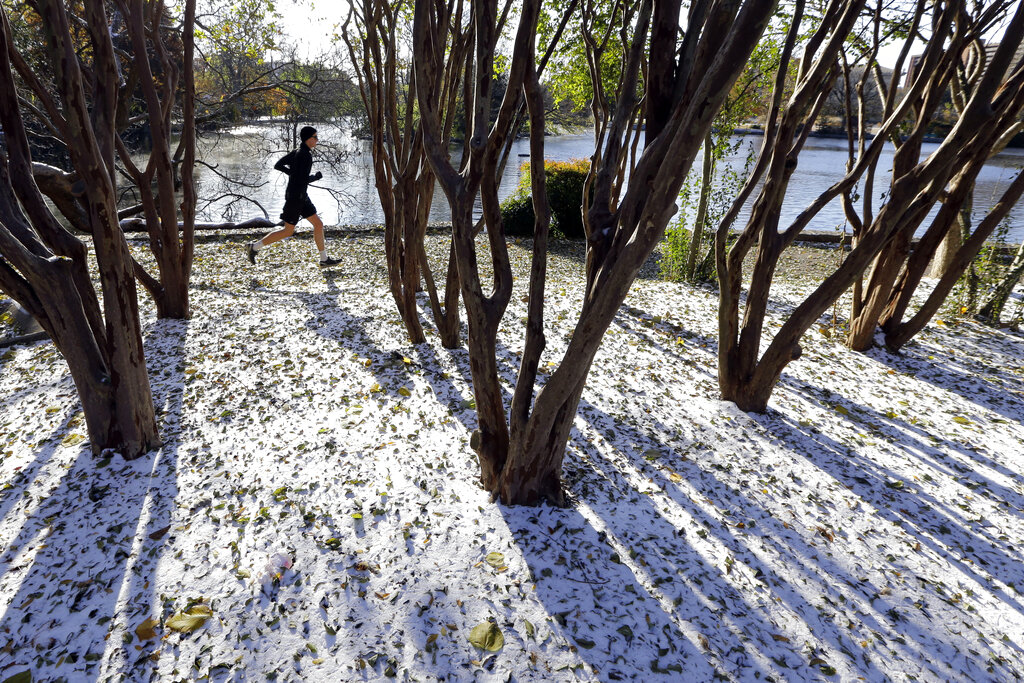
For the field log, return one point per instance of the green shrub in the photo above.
(517, 215)
(565, 181)
(674, 250)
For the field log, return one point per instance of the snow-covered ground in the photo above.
(867, 526)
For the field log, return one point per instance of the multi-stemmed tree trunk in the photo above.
(521, 457)
(955, 256)
(746, 377)
(991, 110)
(152, 69)
(374, 33)
(898, 331)
(749, 378)
(159, 70)
(44, 267)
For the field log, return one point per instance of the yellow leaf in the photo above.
(72, 440)
(191, 620)
(675, 478)
(495, 560)
(960, 420)
(487, 636)
(404, 392)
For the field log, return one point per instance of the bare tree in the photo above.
(155, 88)
(159, 70)
(745, 375)
(521, 458)
(43, 266)
(376, 34)
(986, 119)
(745, 378)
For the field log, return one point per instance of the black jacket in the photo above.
(297, 165)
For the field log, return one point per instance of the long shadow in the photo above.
(644, 326)
(900, 430)
(751, 526)
(82, 572)
(137, 599)
(761, 530)
(531, 534)
(959, 374)
(23, 479)
(901, 502)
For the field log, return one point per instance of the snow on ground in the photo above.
(867, 526)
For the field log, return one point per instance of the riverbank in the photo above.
(314, 515)
(813, 257)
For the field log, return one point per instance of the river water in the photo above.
(347, 194)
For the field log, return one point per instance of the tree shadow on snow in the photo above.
(735, 634)
(98, 537)
(905, 503)
(999, 355)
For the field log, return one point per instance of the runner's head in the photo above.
(308, 136)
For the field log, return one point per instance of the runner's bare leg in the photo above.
(318, 232)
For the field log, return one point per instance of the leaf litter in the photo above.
(314, 514)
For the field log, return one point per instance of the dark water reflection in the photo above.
(249, 153)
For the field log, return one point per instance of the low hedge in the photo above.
(565, 181)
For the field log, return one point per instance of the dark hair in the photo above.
(306, 133)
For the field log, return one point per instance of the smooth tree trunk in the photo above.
(169, 214)
(622, 234)
(373, 33)
(44, 267)
(521, 457)
(989, 108)
(746, 377)
(899, 332)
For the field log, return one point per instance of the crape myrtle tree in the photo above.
(43, 265)
(1003, 99)
(521, 451)
(748, 377)
(946, 175)
(377, 34)
(150, 84)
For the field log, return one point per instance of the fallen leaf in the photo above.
(146, 630)
(190, 620)
(487, 636)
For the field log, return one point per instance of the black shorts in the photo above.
(294, 209)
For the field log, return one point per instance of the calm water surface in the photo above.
(347, 194)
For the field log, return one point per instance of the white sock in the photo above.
(257, 245)
(323, 254)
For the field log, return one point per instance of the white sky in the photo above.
(310, 25)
